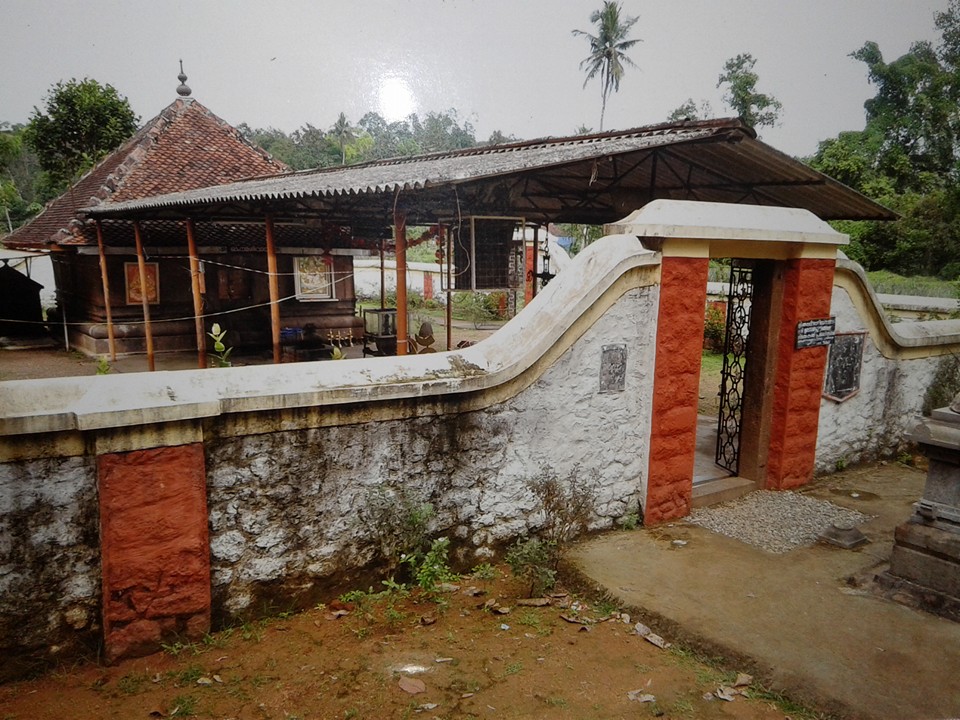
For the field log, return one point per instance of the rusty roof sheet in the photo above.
(572, 179)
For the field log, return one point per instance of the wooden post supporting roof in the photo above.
(197, 297)
(400, 240)
(144, 295)
(274, 290)
(106, 293)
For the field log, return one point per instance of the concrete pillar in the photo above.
(676, 388)
(155, 557)
(798, 375)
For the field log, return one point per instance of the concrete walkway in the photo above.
(795, 618)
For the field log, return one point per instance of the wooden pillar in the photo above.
(197, 298)
(383, 279)
(144, 295)
(274, 290)
(106, 293)
(400, 239)
(676, 388)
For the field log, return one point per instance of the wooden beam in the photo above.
(111, 341)
(274, 290)
(400, 240)
(197, 297)
(144, 295)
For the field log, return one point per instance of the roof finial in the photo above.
(183, 90)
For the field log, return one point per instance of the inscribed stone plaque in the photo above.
(814, 333)
(613, 368)
(843, 367)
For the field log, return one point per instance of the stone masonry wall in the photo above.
(872, 423)
(289, 511)
(49, 562)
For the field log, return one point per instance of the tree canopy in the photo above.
(907, 156)
(608, 50)
(81, 122)
(739, 77)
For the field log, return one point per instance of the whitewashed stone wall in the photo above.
(286, 508)
(49, 561)
(872, 423)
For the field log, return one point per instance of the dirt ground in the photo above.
(449, 657)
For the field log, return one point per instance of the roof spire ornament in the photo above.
(183, 89)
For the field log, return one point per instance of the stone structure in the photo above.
(926, 551)
(222, 491)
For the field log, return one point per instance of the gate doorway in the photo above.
(717, 464)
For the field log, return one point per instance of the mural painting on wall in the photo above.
(314, 277)
(131, 272)
(842, 379)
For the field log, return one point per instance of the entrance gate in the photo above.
(734, 365)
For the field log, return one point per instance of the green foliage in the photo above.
(582, 235)
(103, 366)
(431, 568)
(484, 571)
(81, 122)
(689, 110)
(608, 50)
(630, 521)
(566, 506)
(755, 108)
(714, 326)
(885, 281)
(221, 353)
(183, 706)
(475, 307)
(533, 560)
(399, 524)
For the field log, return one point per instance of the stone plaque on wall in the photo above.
(613, 368)
(842, 380)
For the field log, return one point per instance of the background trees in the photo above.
(907, 156)
(608, 50)
(756, 108)
(81, 122)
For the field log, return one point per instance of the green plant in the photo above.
(533, 560)
(484, 571)
(714, 326)
(432, 569)
(566, 507)
(630, 521)
(103, 366)
(399, 525)
(221, 353)
(183, 706)
(840, 465)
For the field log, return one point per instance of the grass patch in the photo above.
(884, 281)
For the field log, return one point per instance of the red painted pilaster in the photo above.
(154, 542)
(676, 387)
(795, 417)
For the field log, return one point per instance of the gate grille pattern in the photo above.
(734, 365)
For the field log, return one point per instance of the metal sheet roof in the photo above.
(591, 179)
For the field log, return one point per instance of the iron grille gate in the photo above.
(734, 365)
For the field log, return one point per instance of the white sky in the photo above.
(510, 65)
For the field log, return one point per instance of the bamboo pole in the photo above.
(111, 342)
(274, 290)
(197, 297)
(144, 295)
(400, 239)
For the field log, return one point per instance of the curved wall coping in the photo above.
(894, 340)
(116, 401)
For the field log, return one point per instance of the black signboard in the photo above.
(815, 333)
(613, 368)
(843, 367)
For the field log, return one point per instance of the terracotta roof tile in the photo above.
(184, 147)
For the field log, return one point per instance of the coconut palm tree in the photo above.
(608, 50)
(343, 133)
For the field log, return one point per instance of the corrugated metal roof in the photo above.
(594, 178)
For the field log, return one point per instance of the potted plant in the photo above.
(221, 353)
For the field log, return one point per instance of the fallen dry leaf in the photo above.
(412, 685)
(743, 680)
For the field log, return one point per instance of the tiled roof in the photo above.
(183, 148)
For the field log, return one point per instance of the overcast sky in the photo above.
(509, 65)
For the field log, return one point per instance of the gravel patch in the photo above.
(775, 521)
